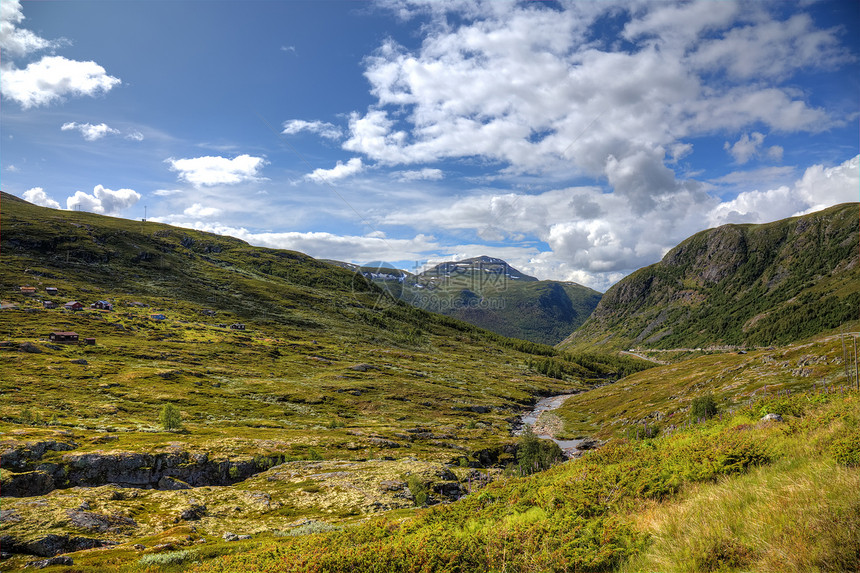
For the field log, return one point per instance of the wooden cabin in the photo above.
(63, 336)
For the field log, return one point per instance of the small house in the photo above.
(102, 305)
(90, 341)
(63, 336)
(237, 326)
(157, 317)
(49, 304)
(28, 290)
(73, 305)
(52, 290)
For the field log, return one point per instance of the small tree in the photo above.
(170, 418)
(535, 454)
(703, 407)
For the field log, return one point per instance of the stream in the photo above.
(569, 447)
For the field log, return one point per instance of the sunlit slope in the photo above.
(736, 285)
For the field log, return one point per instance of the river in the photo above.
(569, 447)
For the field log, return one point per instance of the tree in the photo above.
(703, 407)
(170, 418)
(534, 454)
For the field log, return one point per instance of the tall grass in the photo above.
(800, 513)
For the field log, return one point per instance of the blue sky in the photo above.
(577, 140)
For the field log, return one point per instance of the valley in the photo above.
(245, 409)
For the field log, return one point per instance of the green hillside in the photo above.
(271, 359)
(739, 285)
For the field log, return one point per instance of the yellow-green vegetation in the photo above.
(248, 409)
(218, 366)
(731, 495)
(661, 398)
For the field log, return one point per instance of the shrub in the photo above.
(170, 418)
(703, 407)
(169, 558)
(846, 450)
(419, 490)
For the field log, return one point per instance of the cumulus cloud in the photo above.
(198, 210)
(37, 196)
(531, 89)
(134, 136)
(53, 78)
(321, 128)
(16, 41)
(103, 201)
(50, 79)
(339, 171)
(89, 131)
(749, 146)
(819, 187)
(209, 170)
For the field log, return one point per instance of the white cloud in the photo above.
(52, 78)
(103, 201)
(749, 146)
(818, 188)
(135, 136)
(339, 171)
(321, 128)
(89, 131)
(356, 248)
(771, 49)
(167, 192)
(16, 41)
(198, 210)
(530, 89)
(37, 196)
(426, 174)
(209, 170)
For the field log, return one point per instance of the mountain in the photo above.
(489, 293)
(736, 285)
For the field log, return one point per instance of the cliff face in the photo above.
(737, 284)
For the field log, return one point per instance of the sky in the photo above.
(578, 141)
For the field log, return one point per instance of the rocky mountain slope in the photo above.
(736, 285)
(488, 292)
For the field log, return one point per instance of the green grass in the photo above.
(653, 505)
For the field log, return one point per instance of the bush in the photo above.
(846, 450)
(420, 491)
(169, 558)
(703, 407)
(170, 418)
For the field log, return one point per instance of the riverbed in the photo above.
(569, 447)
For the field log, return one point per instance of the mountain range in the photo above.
(489, 293)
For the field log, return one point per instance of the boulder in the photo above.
(26, 484)
(172, 484)
(98, 522)
(193, 513)
(771, 418)
(61, 560)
